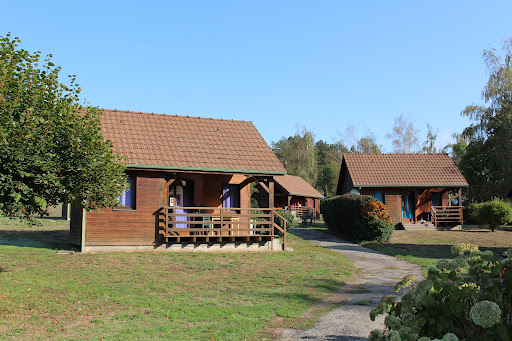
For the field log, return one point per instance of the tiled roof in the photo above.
(188, 143)
(396, 170)
(295, 185)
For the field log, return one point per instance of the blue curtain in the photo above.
(230, 196)
(128, 196)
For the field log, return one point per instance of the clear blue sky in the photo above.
(319, 64)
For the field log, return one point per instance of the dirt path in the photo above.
(379, 273)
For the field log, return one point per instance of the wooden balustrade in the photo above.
(220, 224)
(446, 214)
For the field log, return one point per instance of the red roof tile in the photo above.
(295, 185)
(398, 170)
(183, 142)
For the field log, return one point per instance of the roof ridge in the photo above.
(174, 115)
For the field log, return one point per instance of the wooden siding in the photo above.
(129, 227)
(142, 225)
(422, 200)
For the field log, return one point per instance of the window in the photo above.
(127, 199)
(436, 199)
(379, 196)
(231, 196)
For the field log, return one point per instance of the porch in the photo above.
(221, 224)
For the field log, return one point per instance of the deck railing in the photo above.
(219, 223)
(446, 214)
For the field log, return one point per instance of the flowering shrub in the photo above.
(468, 297)
(358, 217)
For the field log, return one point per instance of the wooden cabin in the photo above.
(189, 185)
(296, 195)
(414, 187)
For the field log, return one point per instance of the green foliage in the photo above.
(358, 217)
(291, 222)
(52, 148)
(485, 163)
(297, 154)
(329, 156)
(429, 145)
(493, 213)
(327, 180)
(468, 297)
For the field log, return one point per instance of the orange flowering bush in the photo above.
(375, 209)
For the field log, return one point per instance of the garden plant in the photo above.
(465, 298)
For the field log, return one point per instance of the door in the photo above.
(407, 205)
(181, 193)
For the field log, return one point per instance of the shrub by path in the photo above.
(379, 273)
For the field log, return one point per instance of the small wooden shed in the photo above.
(414, 187)
(189, 183)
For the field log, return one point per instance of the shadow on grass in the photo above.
(326, 285)
(49, 239)
(432, 251)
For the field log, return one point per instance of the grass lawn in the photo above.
(426, 247)
(144, 295)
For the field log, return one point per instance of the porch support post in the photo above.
(459, 199)
(271, 193)
(289, 201)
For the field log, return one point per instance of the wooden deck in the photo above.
(218, 224)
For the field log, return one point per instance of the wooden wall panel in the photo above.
(129, 227)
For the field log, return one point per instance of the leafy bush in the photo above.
(491, 213)
(291, 222)
(468, 297)
(358, 217)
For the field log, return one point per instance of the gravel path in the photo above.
(379, 274)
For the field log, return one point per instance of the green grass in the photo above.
(425, 248)
(145, 295)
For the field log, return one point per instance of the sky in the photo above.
(323, 65)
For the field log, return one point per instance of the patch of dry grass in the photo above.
(426, 247)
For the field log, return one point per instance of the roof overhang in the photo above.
(411, 186)
(305, 195)
(203, 170)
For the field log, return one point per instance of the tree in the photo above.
(486, 163)
(404, 137)
(429, 145)
(329, 156)
(326, 182)
(364, 144)
(52, 150)
(297, 154)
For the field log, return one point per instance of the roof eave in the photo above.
(204, 169)
(306, 195)
(414, 186)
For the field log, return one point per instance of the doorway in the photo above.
(408, 205)
(181, 194)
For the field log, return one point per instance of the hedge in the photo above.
(358, 217)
